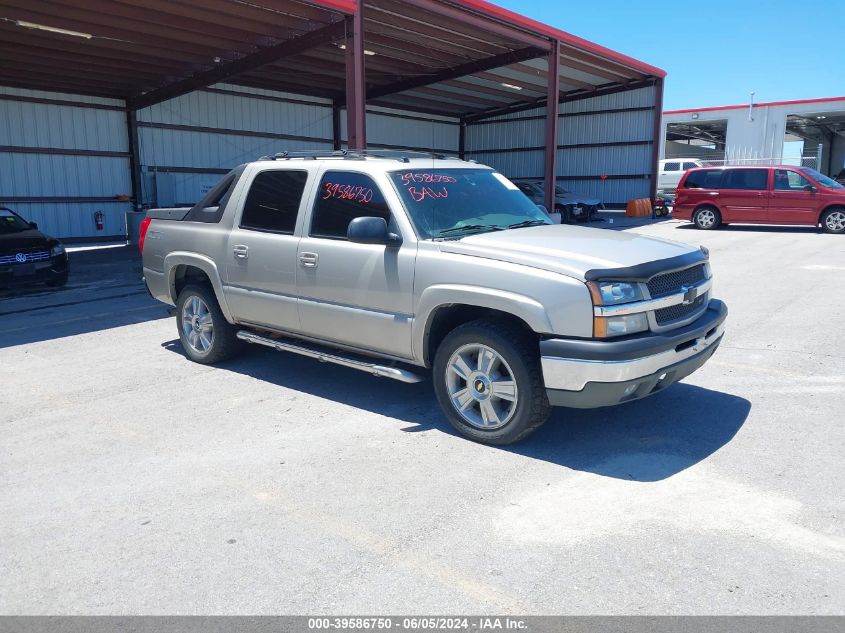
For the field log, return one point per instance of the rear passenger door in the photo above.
(744, 195)
(260, 271)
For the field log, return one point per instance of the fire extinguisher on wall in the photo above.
(98, 220)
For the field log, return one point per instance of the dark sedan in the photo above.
(27, 256)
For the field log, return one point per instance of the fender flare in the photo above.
(434, 297)
(205, 264)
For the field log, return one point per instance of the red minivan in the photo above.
(779, 194)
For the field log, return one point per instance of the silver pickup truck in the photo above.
(396, 265)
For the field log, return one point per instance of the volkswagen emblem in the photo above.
(20, 258)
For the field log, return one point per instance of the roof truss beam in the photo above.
(456, 72)
(262, 57)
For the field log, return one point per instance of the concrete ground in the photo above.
(135, 482)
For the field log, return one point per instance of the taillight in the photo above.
(145, 224)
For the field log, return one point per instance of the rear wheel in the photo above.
(488, 382)
(205, 334)
(707, 218)
(833, 220)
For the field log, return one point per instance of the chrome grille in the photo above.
(670, 283)
(37, 256)
(679, 311)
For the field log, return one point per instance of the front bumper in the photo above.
(18, 275)
(586, 374)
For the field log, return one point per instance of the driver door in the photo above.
(356, 294)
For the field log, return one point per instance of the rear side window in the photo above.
(750, 179)
(273, 201)
(672, 167)
(344, 196)
(704, 179)
(689, 166)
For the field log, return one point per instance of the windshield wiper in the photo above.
(469, 227)
(524, 223)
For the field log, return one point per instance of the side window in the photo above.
(748, 179)
(787, 180)
(672, 167)
(689, 166)
(273, 201)
(344, 196)
(704, 179)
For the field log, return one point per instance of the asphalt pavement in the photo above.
(133, 481)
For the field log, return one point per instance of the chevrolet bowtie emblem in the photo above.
(690, 294)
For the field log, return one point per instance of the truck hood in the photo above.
(564, 249)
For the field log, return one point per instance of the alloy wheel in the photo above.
(197, 325)
(481, 386)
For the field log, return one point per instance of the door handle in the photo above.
(308, 260)
(241, 251)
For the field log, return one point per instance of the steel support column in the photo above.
(356, 84)
(134, 158)
(550, 176)
(336, 135)
(657, 133)
(462, 139)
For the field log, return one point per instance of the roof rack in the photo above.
(403, 156)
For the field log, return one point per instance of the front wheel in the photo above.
(489, 383)
(205, 334)
(833, 220)
(707, 218)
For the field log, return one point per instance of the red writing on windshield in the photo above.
(411, 177)
(418, 194)
(347, 192)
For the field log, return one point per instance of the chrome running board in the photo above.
(396, 373)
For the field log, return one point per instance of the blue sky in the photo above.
(717, 51)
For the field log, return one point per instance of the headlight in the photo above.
(609, 293)
(57, 250)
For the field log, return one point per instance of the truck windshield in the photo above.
(11, 223)
(458, 202)
(822, 179)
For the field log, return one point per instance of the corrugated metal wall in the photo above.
(604, 144)
(188, 142)
(388, 128)
(62, 158)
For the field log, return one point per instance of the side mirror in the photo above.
(371, 230)
(33, 225)
(810, 189)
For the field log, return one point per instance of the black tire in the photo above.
(58, 281)
(833, 220)
(521, 357)
(223, 342)
(707, 218)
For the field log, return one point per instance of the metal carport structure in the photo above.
(468, 60)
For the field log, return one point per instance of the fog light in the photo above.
(630, 389)
(662, 377)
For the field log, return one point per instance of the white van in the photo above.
(671, 170)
